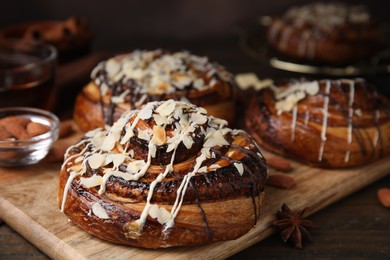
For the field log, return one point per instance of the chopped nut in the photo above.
(34, 129)
(16, 129)
(281, 181)
(279, 164)
(18, 120)
(4, 134)
(384, 197)
(159, 135)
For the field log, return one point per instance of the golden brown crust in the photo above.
(87, 113)
(189, 227)
(210, 186)
(298, 35)
(218, 97)
(346, 140)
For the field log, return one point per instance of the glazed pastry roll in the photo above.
(326, 123)
(326, 32)
(164, 175)
(130, 80)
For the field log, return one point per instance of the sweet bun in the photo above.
(326, 32)
(326, 123)
(130, 80)
(71, 37)
(164, 175)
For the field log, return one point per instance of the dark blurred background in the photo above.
(124, 24)
(204, 27)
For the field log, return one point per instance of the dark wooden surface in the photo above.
(356, 227)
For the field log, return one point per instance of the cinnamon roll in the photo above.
(164, 175)
(326, 123)
(326, 32)
(130, 80)
(71, 37)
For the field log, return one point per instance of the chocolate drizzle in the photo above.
(169, 153)
(136, 78)
(348, 116)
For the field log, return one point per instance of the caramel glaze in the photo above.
(370, 137)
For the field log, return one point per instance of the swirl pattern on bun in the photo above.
(164, 175)
(326, 32)
(130, 80)
(326, 123)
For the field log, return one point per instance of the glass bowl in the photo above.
(21, 152)
(27, 72)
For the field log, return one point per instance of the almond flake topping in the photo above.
(93, 181)
(176, 125)
(96, 160)
(158, 72)
(160, 213)
(143, 134)
(159, 135)
(160, 120)
(215, 138)
(146, 112)
(166, 108)
(99, 211)
(289, 96)
(239, 167)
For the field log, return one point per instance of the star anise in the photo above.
(292, 226)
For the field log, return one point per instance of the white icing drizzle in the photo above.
(75, 155)
(376, 137)
(182, 190)
(324, 120)
(307, 117)
(350, 110)
(157, 72)
(346, 156)
(288, 97)
(350, 116)
(71, 177)
(104, 151)
(294, 122)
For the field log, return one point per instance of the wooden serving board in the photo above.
(28, 204)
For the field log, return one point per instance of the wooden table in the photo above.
(355, 227)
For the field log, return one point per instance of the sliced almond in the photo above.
(96, 160)
(281, 181)
(159, 135)
(166, 108)
(279, 164)
(99, 211)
